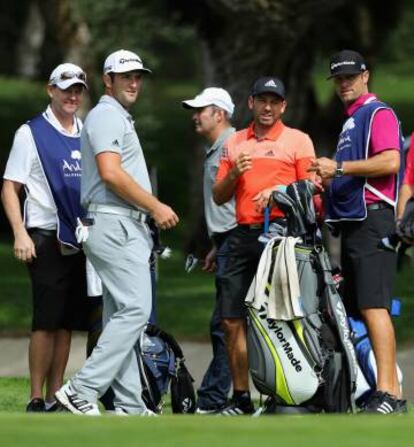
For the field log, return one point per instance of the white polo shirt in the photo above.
(23, 166)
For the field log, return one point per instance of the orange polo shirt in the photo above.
(281, 157)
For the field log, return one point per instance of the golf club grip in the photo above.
(266, 220)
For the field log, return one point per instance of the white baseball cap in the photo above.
(122, 61)
(65, 75)
(211, 96)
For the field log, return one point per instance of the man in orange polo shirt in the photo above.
(255, 161)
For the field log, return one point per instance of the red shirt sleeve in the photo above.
(225, 165)
(409, 169)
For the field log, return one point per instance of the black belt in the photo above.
(378, 206)
(42, 231)
(260, 225)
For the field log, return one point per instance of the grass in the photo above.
(185, 300)
(183, 431)
(15, 301)
(18, 429)
(184, 303)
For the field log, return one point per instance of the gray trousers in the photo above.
(119, 249)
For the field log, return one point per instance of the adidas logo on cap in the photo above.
(271, 83)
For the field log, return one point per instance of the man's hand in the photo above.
(317, 181)
(164, 216)
(262, 199)
(242, 164)
(24, 248)
(324, 167)
(210, 261)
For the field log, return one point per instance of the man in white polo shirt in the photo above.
(116, 191)
(45, 160)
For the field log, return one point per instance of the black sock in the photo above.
(243, 395)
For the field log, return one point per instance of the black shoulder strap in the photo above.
(338, 314)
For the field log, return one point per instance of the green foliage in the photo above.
(146, 27)
(19, 101)
(400, 46)
(392, 82)
(171, 51)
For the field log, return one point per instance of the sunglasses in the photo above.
(64, 76)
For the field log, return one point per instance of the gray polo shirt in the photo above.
(219, 218)
(110, 128)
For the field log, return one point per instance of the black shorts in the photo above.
(368, 270)
(58, 286)
(244, 254)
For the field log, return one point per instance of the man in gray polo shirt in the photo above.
(116, 191)
(213, 109)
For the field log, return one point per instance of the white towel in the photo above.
(94, 283)
(257, 294)
(282, 297)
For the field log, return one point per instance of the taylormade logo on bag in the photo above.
(286, 346)
(343, 321)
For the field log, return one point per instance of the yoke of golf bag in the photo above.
(276, 346)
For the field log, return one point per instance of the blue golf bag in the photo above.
(367, 374)
(162, 366)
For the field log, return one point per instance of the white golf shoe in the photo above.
(76, 405)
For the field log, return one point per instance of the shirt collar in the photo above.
(220, 140)
(272, 134)
(51, 117)
(362, 100)
(106, 99)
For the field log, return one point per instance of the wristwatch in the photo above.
(339, 171)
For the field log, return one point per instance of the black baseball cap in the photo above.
(346, 62)
(268, 84)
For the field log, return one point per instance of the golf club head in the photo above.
(190, 263)
(302, 193)
(288, 205)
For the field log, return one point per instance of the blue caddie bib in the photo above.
(60, 158)
(346, 194)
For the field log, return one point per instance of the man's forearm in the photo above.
(11, 205)
(385, 163)
(223, 190)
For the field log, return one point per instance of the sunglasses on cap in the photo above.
(64, 76)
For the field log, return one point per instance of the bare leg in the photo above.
(62, 339)
(40, 359)
(382, 336)
(235, 336)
